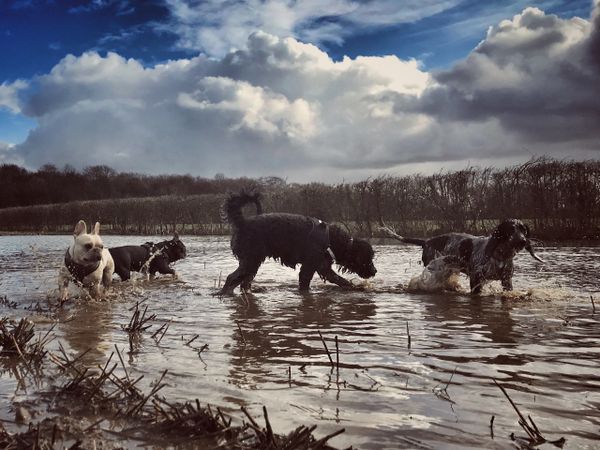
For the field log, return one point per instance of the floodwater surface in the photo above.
(432, 390)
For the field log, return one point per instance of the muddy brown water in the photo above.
(542, 343)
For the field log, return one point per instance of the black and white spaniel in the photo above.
(482, 258)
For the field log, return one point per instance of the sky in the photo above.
(308, 90)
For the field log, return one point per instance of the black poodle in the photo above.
(291, 239)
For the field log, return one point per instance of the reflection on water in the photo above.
(540, 342)
(86, 329)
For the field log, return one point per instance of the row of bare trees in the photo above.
(21, 187)
(558, 199)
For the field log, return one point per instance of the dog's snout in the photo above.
(94, 254)
(372, 271)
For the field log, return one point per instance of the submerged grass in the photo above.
(100, 395)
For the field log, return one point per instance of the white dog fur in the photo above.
(441, 274)
(87, 250)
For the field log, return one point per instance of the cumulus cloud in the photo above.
(279, 106)
(276, 105)
(9, 95)
(534, 74)
(8, 154)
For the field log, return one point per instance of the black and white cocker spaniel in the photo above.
(482, 258)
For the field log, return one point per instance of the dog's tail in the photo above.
(232, 208)
(392, 234)
(415, 241)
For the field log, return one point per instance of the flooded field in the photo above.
(437, 391)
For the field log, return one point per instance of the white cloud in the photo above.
(250, 108)
(275, 105)
(216, 27)
(8, 154)
(9, 95)
(282, 107)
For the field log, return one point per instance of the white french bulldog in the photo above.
(86, 262)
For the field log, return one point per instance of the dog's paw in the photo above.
(256, 289)
(222, 293)
(362, 285)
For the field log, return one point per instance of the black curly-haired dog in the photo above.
(483, 258)
(291, 239)
(148, 258)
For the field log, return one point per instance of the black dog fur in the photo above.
(482, 258)
(147, 258)
(291, 239)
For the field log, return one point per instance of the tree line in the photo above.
(21, 187)
(558, 199)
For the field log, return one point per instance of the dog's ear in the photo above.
(504, 230)
(175, 236)
(80, 228)
(527, 230)
(96, 229)
(501, 233)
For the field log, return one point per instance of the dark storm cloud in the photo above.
(535, 74)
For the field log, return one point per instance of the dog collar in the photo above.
(151, 247)
(328, 250)
(79, 271)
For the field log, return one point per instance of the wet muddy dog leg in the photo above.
(306, 273)
(506, 279)
(161, 265)
(246, 284)
(243, 275)
(328, 274)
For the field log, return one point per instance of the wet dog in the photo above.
(483, 258)
(86, 262)
(441, 274)
(291, 239)
(148, 258)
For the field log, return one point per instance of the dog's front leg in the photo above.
(507, 282)
(333, 277)
(107, 279)
(506, 277)
(476, 281)
(94, 290)
(63, 284)
(162, 266)
(306, 274)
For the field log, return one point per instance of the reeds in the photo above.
(534, 436)
(15, 342)
(137, 324)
